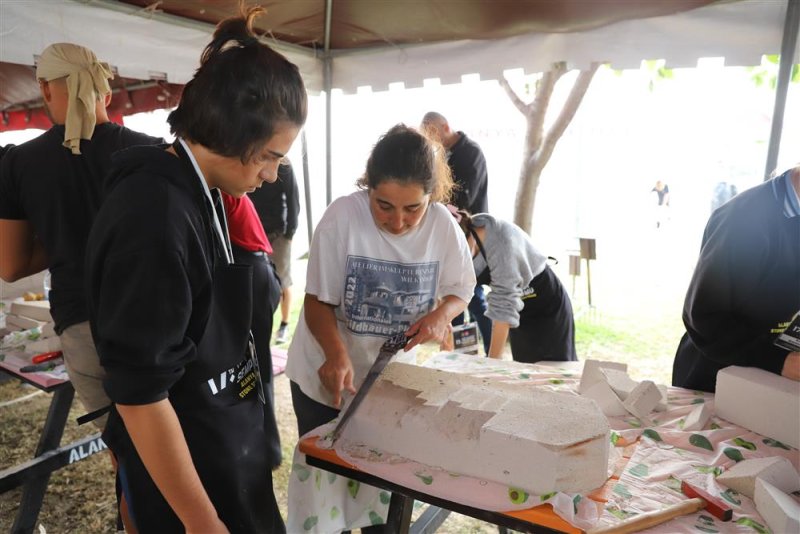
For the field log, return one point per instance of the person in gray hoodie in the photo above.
(527, 302)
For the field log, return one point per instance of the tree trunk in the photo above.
(539, 146)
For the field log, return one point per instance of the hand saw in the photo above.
(388, 349)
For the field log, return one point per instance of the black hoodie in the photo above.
(745, 288)
(148, 273)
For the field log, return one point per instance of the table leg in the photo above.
(430, 520)
(34, 490)
(400, 508)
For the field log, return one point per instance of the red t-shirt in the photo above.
(244, 226)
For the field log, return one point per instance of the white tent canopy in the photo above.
(143, 45)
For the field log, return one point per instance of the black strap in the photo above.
(480, 245)
(91, 416)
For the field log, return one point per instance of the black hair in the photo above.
(241, 91)
(407, 156)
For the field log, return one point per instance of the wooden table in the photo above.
(540, 519)
(34, 475)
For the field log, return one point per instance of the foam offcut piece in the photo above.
(620, 382)
(663, 404)
(776, 470)
(780, 511)
(606, 399)
(698, 417)
(760, 401)
(592, 374)
(643, 399)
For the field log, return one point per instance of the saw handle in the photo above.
(651, 519)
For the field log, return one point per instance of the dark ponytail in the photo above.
(241, 91)
(234, 31)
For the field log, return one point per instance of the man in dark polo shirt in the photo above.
(468, 165)
(278, 207)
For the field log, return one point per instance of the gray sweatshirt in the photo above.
(513, 262)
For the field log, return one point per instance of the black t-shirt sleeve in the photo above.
(141, 298)
(725, 283)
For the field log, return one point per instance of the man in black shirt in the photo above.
(745, 288)
(468, 165)
(50, 191)
(466, 160)
(278, 205)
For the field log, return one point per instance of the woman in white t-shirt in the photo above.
(388, 258)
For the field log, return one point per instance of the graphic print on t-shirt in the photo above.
(383, 297)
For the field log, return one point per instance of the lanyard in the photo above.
(217, 224)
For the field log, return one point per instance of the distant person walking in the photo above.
(723, 192)
(468, 165)
(278, 207)
(662, 191)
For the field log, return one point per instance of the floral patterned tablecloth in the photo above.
(663, 455)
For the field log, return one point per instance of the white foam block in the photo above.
(48, 330)
(14, 322)
(39, 346)
(662, 405)
(605, 397)
(643, 399)
(620, 382)
(760, 401)
(591, 372)
(34, 309)
(515, 434)
(698, 417)
(776, 470)
(779, 510)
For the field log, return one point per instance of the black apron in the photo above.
(266, 297)
(546, 330)
(219, 403)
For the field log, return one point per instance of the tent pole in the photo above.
(784, 74)
(327, 81)
(307, 186)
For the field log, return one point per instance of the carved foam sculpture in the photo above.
(516, 434)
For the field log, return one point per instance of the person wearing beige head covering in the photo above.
(86, 81)
(51, 188)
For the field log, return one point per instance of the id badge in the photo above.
(789, 339)
(251, 347)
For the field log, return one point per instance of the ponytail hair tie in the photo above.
(250, 40)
